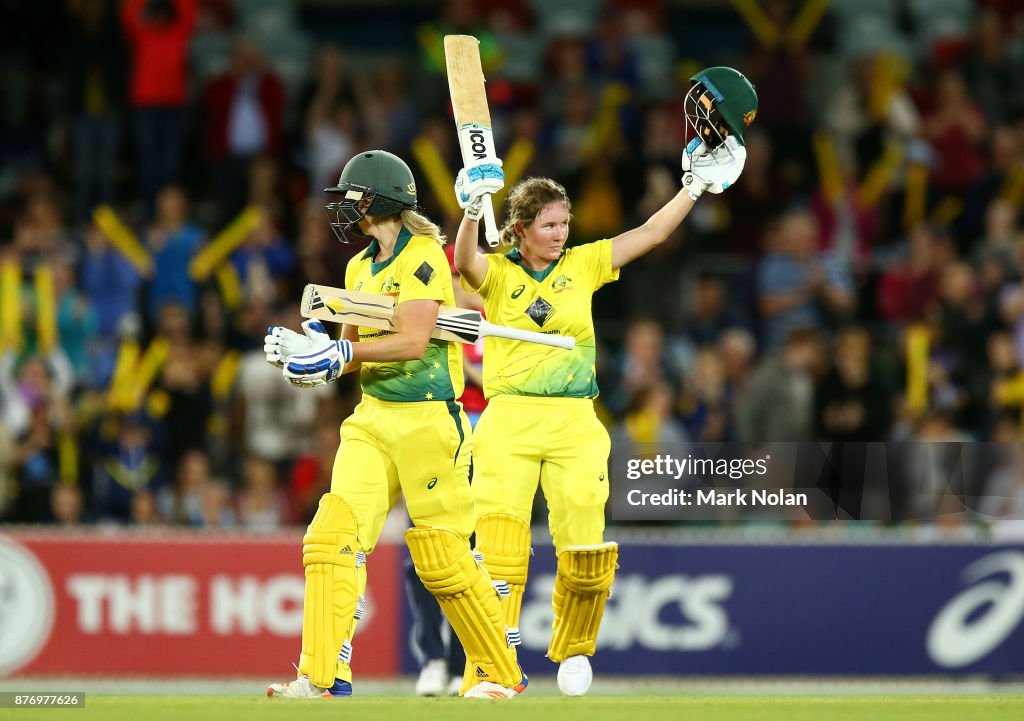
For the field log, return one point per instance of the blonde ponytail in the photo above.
(419, 224)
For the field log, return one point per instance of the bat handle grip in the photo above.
(490, 224)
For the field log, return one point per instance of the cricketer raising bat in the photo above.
(378, 311)
(472, 116)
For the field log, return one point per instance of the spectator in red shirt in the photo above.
(956, 130)
(158, 33)
(909, 292)
(243, 112)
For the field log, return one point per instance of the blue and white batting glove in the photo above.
(694, 184)
(322, 365)
(713, 172)
(476, 181)
(281, 342)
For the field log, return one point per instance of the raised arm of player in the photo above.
(633, 243)
(711, 172)
(468, 260)
(472, 185)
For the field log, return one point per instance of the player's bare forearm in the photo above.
(468, 261)
(395, 347)
(633, 243)
(416, 321)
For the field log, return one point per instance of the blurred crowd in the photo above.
(161, 163)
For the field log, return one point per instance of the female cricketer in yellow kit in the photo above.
(539, 425)
(408, 435)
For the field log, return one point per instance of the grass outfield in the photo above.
(650, 708)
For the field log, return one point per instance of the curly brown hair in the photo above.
(525, 202)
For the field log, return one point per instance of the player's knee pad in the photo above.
(330, 558)
(504, 542)
(582, 583)
(449, 571)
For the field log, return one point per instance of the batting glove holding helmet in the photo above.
(715, 171)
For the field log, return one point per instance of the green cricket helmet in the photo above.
(721, 101)
(374, 182)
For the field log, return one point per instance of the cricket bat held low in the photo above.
(371, 310)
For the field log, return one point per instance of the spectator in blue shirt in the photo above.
(111, 284)
(173, 241)
(799, 287)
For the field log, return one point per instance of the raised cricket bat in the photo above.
(472, 116)
(378, 311)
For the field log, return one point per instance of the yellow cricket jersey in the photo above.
(418, 270)
(557, 301)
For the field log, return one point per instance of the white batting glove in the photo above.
(694, 185)
(281, 342)
(476, 181)
(323, 364)
(713, 172)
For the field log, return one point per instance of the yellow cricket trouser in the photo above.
(521, 441)
(420, 449)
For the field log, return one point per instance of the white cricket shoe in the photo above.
(302, 687)
(489, 689)
(575, 676)
(433, 680)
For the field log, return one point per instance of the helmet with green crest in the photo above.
(375, 183)
(721, 102)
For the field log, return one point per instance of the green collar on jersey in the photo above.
(538, 275)
(371, 251)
